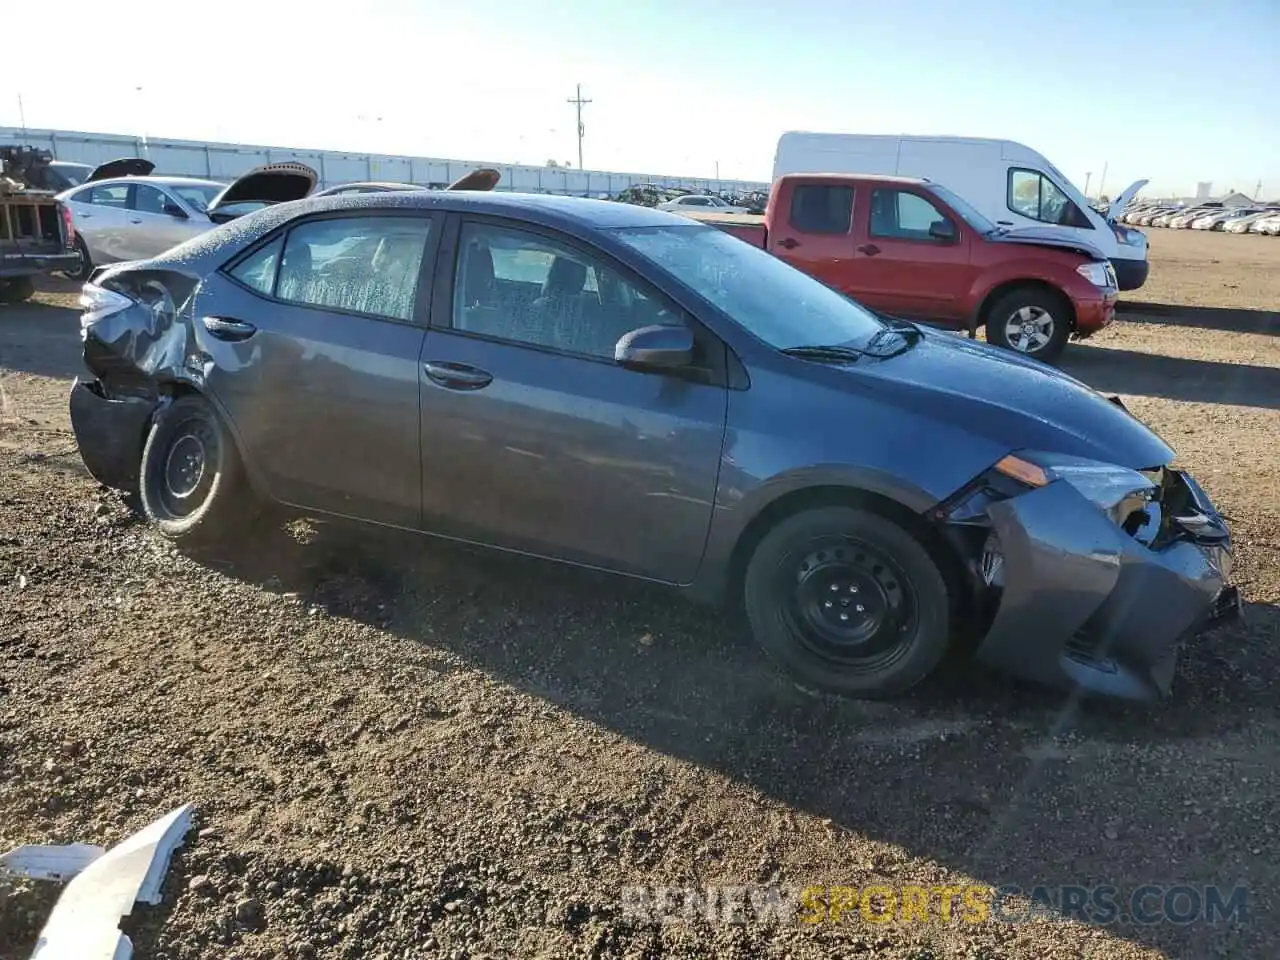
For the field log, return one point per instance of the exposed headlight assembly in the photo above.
(1117, 491)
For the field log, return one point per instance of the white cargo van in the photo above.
(1008, 182)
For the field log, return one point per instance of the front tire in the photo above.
(1030, 321)
(848, 601)
(191, 483)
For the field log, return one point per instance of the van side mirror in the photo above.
(660, 347)
(943, 230)
(173, 210)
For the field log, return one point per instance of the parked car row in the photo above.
(1205, 216)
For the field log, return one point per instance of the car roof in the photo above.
(860, 177)
(165, 181)
(547, 209)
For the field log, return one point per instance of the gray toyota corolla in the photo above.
(620, 388)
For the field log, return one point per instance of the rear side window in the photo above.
(258, 270)
(358, 264)
(107, 195)
(819, 208)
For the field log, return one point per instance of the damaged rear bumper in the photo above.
(1087, 606)
(110, 432)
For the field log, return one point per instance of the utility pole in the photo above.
(578, 102)
(1087, 177)
(22, 116)
(1102, 179)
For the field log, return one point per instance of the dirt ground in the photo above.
(403, 750)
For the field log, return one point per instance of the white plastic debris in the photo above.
(104, 886)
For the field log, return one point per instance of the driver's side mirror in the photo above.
(943, 230)
(175, 211)
(660, 347)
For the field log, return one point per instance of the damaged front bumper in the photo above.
(1086, 605)
(110, 432)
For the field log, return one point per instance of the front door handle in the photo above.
(457, 376)
(224, 328)
(135, 220)
(789, 243)
(870, 249)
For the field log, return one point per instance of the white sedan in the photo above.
(700, 203)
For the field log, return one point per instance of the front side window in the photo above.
(147, 199)
(902, 215)
(1035, 196)
(359, 264)
(818, 208)
(527, 288)
(764, 295)
(197, 196)
(258, 270)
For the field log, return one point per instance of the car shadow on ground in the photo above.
(1232, 319)
(1004, 782)
(1111, 370)
(40, 338)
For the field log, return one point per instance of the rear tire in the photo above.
(16, 290)
(848, 601)
(1031, 321)
(81, 273)
(191, 483)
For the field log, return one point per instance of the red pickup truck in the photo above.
(914, 249)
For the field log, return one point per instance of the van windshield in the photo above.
(971, 214)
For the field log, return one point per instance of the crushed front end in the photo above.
(137, 344)
(1089, 576)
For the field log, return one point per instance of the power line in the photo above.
(578, 102)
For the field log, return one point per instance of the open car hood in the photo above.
(271, 183)
(483, 178)
(1122, 200)
(1050, 237)
(124, 167)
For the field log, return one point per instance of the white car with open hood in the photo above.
(122, 212)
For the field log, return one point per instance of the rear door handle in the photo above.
(789, 243)
(224, 328)
(870, 249)
(457, 376)
(135, 220)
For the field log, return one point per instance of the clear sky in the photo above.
(1175, 91)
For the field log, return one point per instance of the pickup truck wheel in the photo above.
(847, 601)
(1031, 321)
(16, 290)
(191, 482)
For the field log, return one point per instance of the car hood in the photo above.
(1126, 195)
(124, 167)
(1013, 400)
(1049, 237)
(270, 183)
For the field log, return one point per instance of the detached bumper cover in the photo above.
(1086, 606)
(110, 433)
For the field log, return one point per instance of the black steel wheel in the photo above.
(191, 480)
(849, 601)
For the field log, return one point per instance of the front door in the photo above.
(534, 439)
(316, 338)
(915, 262)
(151, 230)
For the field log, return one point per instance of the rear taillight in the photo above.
(69, 226)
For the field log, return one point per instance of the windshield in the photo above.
(963, 207)
(775, 302)
(197, 196)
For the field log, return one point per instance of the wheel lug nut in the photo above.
(835, 587)
(844, 616)
(860, 608)
(853, 589)
(827, 604)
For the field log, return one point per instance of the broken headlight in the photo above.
(98, 302)
(1121, 493)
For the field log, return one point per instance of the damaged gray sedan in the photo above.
(620, 388)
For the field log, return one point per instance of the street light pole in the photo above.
(1087, 177)
(579, 103)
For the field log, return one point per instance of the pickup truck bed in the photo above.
(744, 226)
(32, 242)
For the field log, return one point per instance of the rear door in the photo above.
(316, 337)
(151, 228)
(915, 260)
(535, 439)
(812, 228)
(100, 213)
